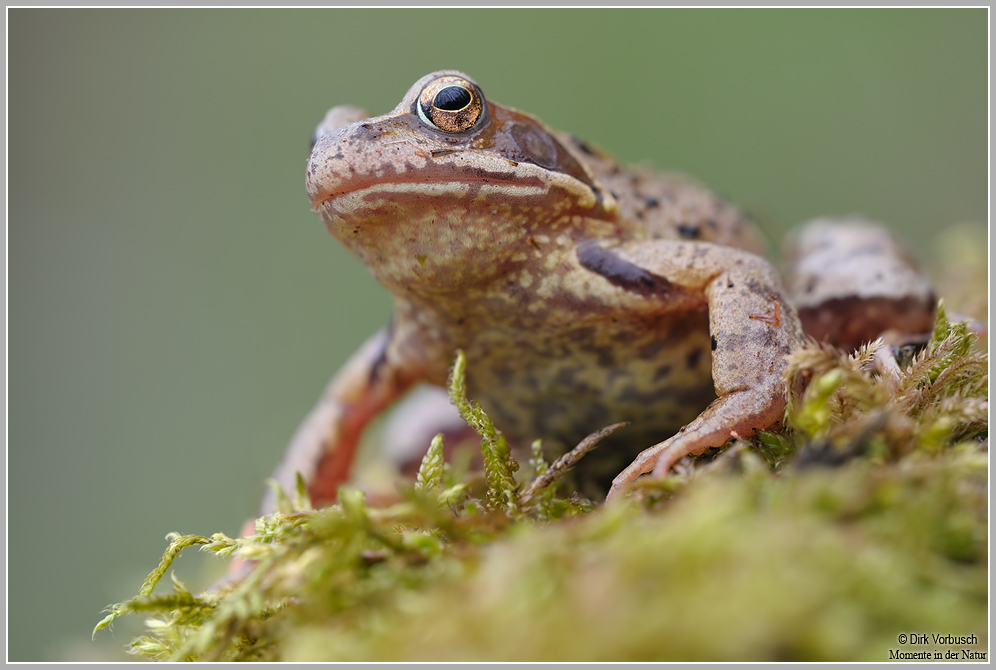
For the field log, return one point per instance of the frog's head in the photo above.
(449, 189)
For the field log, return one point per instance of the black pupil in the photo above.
(452, 99)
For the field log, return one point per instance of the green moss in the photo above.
(868, 402)
(499, 466)
(865, 518)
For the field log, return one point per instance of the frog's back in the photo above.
(655, 205)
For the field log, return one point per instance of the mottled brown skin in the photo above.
(582, 292)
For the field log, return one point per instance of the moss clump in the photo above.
(865, 519)
(868, 402)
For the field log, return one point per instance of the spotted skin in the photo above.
(583, 292)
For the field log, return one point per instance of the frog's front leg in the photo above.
(323, 447)
(753, 328)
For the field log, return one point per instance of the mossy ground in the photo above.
(866, 518)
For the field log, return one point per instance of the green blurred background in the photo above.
(175, 308)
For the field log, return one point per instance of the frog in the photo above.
(582, 292)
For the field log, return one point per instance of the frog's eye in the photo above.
(451, 104)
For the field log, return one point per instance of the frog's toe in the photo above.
(655, 461)
(643, 464)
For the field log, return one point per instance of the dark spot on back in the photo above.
(662, 372)
(689, 231)
(713, 338)
(652, 201)
(583, 146)
(692, 358)
(620, 272)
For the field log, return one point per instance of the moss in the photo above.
(864, 519)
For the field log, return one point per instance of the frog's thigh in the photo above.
(323, 447)
(851, 280)
(752, 327)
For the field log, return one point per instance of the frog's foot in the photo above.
(737, 413)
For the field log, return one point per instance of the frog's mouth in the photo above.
(359, 196)
(460, 181)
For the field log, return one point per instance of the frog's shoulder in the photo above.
(659, 205)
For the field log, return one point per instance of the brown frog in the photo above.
(582, 292)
